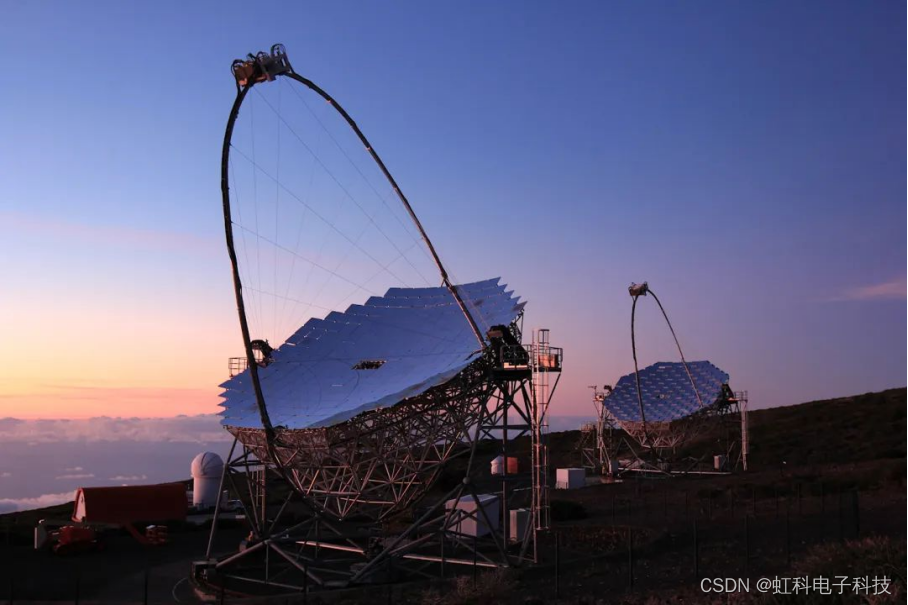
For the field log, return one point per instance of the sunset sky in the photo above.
(747, 159)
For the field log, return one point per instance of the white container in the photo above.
(40, 535)
(520, 521)
(206, 479)
(570, 478)
(720, 462)
(468, 521)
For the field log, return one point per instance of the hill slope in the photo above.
(833, 431)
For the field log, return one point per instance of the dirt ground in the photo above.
(782, 515)
(642, 540)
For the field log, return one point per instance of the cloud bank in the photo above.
(203, 428)
(12, 505)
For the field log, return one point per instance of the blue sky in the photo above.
(745, 158)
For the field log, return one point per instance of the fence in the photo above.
(665, 537)
(675, 537)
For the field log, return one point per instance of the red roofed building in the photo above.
(131, 504)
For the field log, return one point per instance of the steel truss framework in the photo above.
(355, 481)
(653, 448)
(587, 446)
(379, 463)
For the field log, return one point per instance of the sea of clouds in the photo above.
(203, 428)
(43, 462)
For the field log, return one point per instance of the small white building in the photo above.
(468, 520)
(520, 524)
(570, 478)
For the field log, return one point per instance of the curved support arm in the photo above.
(636, 291)
(403, 198)
(252, 366)
(680, 352)
(636, 370)
(248, 73)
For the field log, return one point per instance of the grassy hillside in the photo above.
(861, 428)
(833, 431)
(828, 432)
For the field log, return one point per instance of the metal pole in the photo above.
(267, 564)
(475, 567)
(441, 540)
(557, 565)
(787, 538)
(630, 557)
(841, 520)
(746, 545)
(504, 454)
(856, 511)
(696, 551)
(217, 506)
(745, 438)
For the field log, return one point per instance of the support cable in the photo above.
(353, 242)
(265, 68)
(636, 291)
(403, 198)
(356, 167)
(340, 186)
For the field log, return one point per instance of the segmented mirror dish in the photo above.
(667, 392)
(373, 355)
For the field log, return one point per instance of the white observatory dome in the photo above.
(206, 477)
(207, 464)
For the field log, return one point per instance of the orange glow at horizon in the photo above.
(83, 360)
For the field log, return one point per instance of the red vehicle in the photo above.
(71, 539)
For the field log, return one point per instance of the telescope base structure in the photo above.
(381, 461)
(629, 447)
(362, 506)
